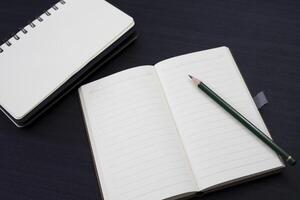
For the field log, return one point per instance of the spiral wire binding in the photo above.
(32, 25)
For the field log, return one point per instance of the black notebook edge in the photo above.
(239, 181)
(76, 79)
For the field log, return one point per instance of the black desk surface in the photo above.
(51, 158)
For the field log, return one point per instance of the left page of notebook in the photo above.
(44, 58)
(136, 147)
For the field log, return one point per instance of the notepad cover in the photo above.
(42, 63)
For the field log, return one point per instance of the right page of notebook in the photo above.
(219, 148)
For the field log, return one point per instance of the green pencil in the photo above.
(285, 156)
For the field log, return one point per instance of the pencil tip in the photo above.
(196, 81)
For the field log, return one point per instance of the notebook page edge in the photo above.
(170, 59)
(243, 179)
(89, 134)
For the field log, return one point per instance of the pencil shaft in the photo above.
(256, 131)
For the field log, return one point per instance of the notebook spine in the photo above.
(32, 25)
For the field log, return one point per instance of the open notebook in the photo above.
(154, 135)
(53, 53)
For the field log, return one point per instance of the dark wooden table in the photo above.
(51, 160)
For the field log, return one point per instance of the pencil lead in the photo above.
(190, 76)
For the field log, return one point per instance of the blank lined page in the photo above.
(220, 149)
(135, 143)
(37, 64)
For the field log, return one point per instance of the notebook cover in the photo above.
(75, 80)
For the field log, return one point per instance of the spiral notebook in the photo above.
(155, 136)
(53, 53)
